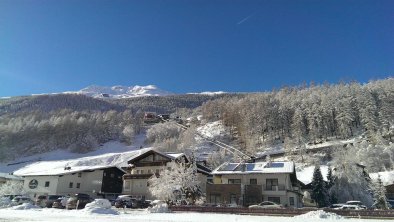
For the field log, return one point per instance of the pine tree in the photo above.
(380, 199)
(319, 191)
(330, 184)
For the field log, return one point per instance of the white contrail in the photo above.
(245, 19)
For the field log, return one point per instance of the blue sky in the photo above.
(192, 46)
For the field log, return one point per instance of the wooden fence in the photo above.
(285, 211)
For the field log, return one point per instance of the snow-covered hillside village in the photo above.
(296, 151)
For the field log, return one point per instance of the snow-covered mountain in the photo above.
(118, 92)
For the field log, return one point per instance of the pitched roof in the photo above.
(258, 167)
(61, 167)
(146, 151)
(10, 176)
(58, 171)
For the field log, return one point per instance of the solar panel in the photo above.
(228, 167)
(276, 165)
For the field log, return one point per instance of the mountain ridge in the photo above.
(119, 91)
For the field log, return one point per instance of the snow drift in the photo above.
(320, 214)
(100, 206)
(158, 207)
(26, 206)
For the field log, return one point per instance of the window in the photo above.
(78, 185)
(127, 185)
(137, 172)
(112, 175)
(234, 181)
(80, 175)
(47, 184)
(274, 199)
(142, 171)
(70, 185)
(215, 198)
(253, 181)
(157, 171)
(291, 201)
(233, 199)
(272, 184)
(149, 171)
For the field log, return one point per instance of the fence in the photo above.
(284, 211)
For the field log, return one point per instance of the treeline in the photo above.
(49, 103)
(170, 104)
(79, 123)
(293, 116)
(37, 132)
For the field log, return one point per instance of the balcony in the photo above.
(137, 176)
(280, 187)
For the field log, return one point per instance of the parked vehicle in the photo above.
(46, 200)
(21, 200)
(391, 202)
(333, 206)
(125, 201)
(78, 201)
(266, 204)
(60, 202)
(356, 203)
(349, 207)
(128, 201)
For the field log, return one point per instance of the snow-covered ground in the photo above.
(212, 130)
(58, 215)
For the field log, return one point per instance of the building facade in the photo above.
(95, 181)
(251, 183)
(152, 162)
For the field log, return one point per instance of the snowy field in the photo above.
(58, 215)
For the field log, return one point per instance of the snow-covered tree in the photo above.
(179, 178)
(330, 184)
(379, 193)
(12, 187)
(319, 191)
(352, 181)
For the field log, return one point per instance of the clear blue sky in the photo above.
(192, 45)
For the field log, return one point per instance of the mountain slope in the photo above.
(119, 92)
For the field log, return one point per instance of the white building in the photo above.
(92, 180)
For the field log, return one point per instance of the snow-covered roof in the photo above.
(305, 175)
(61, 167)
(258, 167)
(175, 155)
(10, 176)
(170, 155)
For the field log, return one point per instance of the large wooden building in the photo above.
(150, 162)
